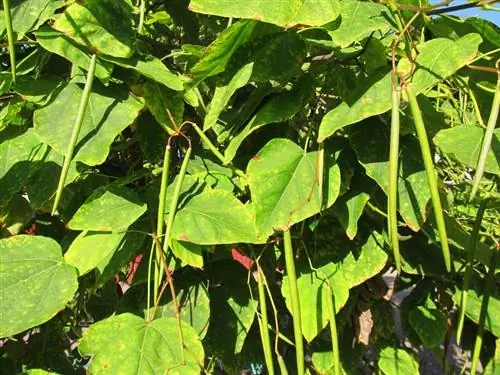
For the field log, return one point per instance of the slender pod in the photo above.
(263, 322)
(330, 297)
(490, 284)
(431, 174)
(488, 136)
(468, 271)
(84, 101)
(294, 297)
(392, 201)
(10, 38)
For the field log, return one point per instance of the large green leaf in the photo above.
(223, 93)
(218, 54)
(372, 98)
(357, 20)
(284, 185)
(463, 143)
(151, 67)
(215, 217)
(430, 325)
(397, 361)
(35, 283)
(127, 344)
(20, 156)
(413, 187)
(101, 25)
(286, 13)
(26, 15)
(59, 43)
(439, 58)
(313, 306)
(109, 111)
(161, 101)
(279, 108)
(109, 208)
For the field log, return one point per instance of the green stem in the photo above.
(142, 12)
(392, 202)
(160, 221)
(330, 298)
(84, 101)
(490, 284)
(175, 199)
(10, 38)
(488, 136)
(468, 271)
(263, 323)
(294, 296)
(431, 174)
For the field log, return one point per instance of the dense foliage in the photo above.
(245, 186)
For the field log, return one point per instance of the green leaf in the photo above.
(279, 108)
(349, 209)
(218, 54)
(35, 283)
(372, 98)
(109, 208)
(103, 25)
(357, 20)
(109, 111)
(160, 101)
(223, 93)
(430, 325)
(145, 348)
(373, 154)
(463, 143)
(284, 185)
(27, 15)
(313, 307)
(397, 361)
(439, 58)
(105, 251)
(20, 156)
(215, 217)
(286, 13)
(473, 310)
(150, 67)
(60, 44)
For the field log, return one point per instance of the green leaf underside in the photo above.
(109, 112)
(127, 344)
(60, 44)
(103, 25)
(463, 143)
(397, 361)
(215, 217)
(108, 209)
(35, 283)
(282, 13)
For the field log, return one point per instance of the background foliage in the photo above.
(229, 186)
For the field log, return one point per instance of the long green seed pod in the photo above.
(84, 101)
(468, 271)
(431, 174)
(392, 201)
(294, 296)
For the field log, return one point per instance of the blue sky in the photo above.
(493, 16)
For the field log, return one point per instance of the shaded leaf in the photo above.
(109, 112)
(284, 13)
(145, 348)
(109, 208)
(35, 283)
